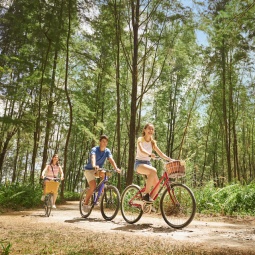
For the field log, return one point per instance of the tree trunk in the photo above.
(67, 96)
(132, 130)
(225, 112)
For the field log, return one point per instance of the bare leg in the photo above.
(92, 187)
(55, 195)
(152, 177)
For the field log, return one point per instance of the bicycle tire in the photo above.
(48, 204)
(178, 206)
(81, 204)
(130, 210)
(110, 202)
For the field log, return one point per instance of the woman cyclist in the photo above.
(145, 145)
(52, 171)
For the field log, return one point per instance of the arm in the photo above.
(114, 164)
(44, 172)
(61, 173)
(161, 154)
(93, 161)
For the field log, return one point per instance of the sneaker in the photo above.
(86, 208)
(42, 198)
(147, 198)
(54, 207)
(153, 209)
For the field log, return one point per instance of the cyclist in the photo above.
(145, 145)
(52, 171)
(98, 155)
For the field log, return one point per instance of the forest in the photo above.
(71, 70)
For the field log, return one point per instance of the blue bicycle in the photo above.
(110, 197)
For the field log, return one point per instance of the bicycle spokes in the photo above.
(110, 202)
(131, 204)
(178, 206)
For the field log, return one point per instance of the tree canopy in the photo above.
(73, 70)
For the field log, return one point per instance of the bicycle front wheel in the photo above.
(48, 204)
(178, 206)
(131, 204)
(110, 202)
(84, 211)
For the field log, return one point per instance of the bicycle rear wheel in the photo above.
(131, 204)
(48, 204)
(110, 202)
(85, 213)
(178, 206)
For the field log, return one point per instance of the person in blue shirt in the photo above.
(98, 155)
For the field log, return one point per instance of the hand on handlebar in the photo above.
(118, 170)
(153, 156)
(96, 168)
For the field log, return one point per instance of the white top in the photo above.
(147, 146)
(51, 171)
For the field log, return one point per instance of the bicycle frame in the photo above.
(163, 182)
(99, 189)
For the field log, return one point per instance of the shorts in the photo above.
(90, 175)
(140, 162)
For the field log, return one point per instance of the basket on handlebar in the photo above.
(51, 187)
(175, 169)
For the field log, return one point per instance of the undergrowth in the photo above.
(233, 199)
(17, 196)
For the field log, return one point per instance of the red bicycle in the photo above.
(177, 202)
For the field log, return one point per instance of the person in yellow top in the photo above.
(145, 146)
(51, 172)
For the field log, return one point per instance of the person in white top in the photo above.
(145, 145)
(52, 171)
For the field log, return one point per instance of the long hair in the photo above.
(153, 142)
(52, 159)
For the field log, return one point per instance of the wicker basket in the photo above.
(51, 187)
(175, 169)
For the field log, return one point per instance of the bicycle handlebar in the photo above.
(51, 179)
(107, 170)
(159, 158)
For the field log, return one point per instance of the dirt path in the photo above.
(233, 234)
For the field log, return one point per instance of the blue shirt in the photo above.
(101, 156)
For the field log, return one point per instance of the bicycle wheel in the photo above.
(48, 204)
(85, 214)
(110, 202)
(131, 204)
(178, 206)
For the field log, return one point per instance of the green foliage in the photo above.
(6, 246)
(16, 196)
(234, 199)
(71, 196)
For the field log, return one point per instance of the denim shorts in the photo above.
(140, 162)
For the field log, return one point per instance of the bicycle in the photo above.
(177, 202)
(51, 188)
(110, 197)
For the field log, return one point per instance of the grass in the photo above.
(5, 246)
(25, 237)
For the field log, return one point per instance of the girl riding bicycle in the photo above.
(145, 145)
(51, 172)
